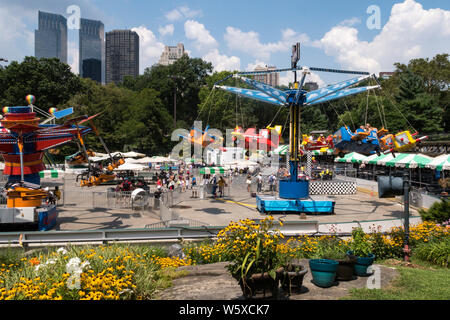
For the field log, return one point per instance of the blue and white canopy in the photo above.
(268, 94)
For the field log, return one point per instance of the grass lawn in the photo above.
(426, 283)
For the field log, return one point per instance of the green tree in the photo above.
(49, 80)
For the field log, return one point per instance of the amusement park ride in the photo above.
(294, 192)
(263, 140)
(23, 141)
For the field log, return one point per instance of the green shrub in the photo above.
(436, 252)
(438, 212)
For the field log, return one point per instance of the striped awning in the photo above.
(321, 152)
(282, 149)
(440, 163)
(212, 170)
(352, 157)
(52, 174)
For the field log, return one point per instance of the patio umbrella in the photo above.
(130, 166)
(145, 160)
(440, 163)
(133, 154)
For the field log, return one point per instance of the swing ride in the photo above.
(202, 138)
(266, 139)
(294, 192)
(23, 142)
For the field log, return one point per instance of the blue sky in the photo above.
(242, 34)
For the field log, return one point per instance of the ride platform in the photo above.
(310, 204)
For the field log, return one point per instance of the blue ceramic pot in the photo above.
(362, 263)
(323, 272)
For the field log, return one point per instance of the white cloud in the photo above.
(411, 32)
(257, 63)
(201, 36)
(350, 22)
(150, 49)
(17, 41)
(166, 30)
(183, 12)
(249, 42)
(222, 62)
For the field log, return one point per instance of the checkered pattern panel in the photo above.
(332, 187)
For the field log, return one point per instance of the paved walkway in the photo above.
(363, 208)
(213, 282)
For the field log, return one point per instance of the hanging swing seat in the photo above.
(400, 142)
(344, 142)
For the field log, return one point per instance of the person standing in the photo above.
(249, 183)
(259, 183)
(214, 186)
(272, 183)
(221, 184)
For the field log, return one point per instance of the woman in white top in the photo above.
(249, 183)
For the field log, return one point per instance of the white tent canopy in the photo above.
(145, 160)
(160, 159)
(130, 166)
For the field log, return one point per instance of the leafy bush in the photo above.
(360, 245)
(437, 252)
(438, 212)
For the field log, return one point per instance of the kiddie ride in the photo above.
(23, 141)
(373, 141)
(293, 191)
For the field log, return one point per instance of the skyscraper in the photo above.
(92, 50)
(122, 55)
(171, 54)
(50, 39)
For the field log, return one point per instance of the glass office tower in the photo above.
(92, 50)
(50, 39)
(122, 55)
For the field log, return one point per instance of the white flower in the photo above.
(61, 251)
(73, 282)
(51, 261)
(73, 266)
(85, 264)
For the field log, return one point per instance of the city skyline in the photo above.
(241, 36)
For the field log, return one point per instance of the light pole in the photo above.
(175, 97)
